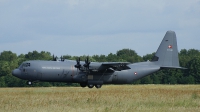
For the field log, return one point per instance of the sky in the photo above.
(96, 27)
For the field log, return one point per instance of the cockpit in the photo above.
(25, 64)
(23, 70)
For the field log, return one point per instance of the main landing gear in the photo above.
(96, 85)
(31, 82)
(90, 85)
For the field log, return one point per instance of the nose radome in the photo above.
(16, 72)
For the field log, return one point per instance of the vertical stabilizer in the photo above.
(167, 53)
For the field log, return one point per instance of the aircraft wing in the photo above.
(115, 66)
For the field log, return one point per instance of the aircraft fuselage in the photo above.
(66, 72)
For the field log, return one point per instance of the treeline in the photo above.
(188, 58)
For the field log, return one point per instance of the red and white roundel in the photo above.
(170, 46)
(135, 73)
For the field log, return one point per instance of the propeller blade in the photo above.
(54, 58)
(87, 63)
(78, 65)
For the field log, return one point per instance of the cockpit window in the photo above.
(25, 65)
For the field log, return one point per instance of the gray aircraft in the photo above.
(96, 74)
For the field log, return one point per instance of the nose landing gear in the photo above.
(29, 82)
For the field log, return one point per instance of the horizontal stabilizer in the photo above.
(170, 67)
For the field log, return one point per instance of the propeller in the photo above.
(78, 65)
(87, 63)
(61, 58)
(54, 58)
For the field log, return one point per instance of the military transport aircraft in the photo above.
(96, 74)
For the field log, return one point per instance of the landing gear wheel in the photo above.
(83, 84)
(90, 85)
(98, 86)
(29, 83)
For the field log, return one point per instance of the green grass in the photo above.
(110, 98)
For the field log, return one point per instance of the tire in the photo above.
(29, 83)
(83, 84)
(90, 85)
(98, 86)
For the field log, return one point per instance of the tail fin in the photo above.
(167, 53)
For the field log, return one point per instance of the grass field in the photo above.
(110, 98)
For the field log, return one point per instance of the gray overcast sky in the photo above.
(89, 27)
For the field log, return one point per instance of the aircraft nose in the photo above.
(16, 72)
